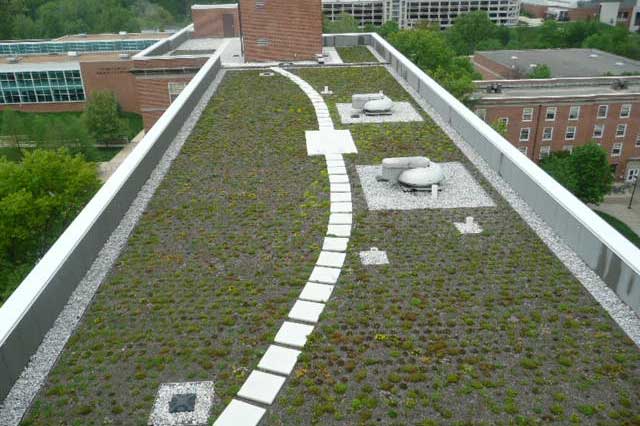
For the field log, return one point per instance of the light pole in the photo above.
(635, 186)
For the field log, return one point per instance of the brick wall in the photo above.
(584, 127)
(290, 29)
(209, 21)
(114, 76)
(154, 95)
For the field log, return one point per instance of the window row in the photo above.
(46, 47)
(28, 79)
(570, 132)
(545, 150)
(41, 95)
(574, 112)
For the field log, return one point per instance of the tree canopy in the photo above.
(540, 71)
(39, 197)
(102, 117)
(585, 172)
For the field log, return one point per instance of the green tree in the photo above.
(500, 127)
(470, 29)
(102, 117)
(431, 51)
(540, 71)
(39, 197)
(345, 23)
(13, 130)
(585, 172)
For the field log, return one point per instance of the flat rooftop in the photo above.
(62, 58)
(566, 62)
(115, 36)
(487, 328)
(198, 46)
(553, 89)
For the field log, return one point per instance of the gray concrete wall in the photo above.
(608, 253)
(31, 310)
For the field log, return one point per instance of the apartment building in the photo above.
(408, 12)
(625, 13)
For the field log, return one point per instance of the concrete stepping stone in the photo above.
(337, 170)
(341, 207)
(240, 413)
(316, 292)
(293, 334)
(341, 219)
(339, 230)
(334, 157)
(261, 387)
(325, 275)
(338, 179)
(335, 244)
(306, 311)
(335, 163)
(331, 258)
(337, 197)
(278, 359)
(340, 187)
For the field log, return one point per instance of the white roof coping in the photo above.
(214, 6)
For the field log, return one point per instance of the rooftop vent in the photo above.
(82, 35)
(593, 55)
(13, 60)
(123, 33)
(72, 53)
(619, 84)
(124, 56)
(620, 64)
(494, 88)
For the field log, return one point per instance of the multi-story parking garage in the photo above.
(408, 12)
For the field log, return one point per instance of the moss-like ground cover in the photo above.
(486, 329)
(355, 54)
(211, 270)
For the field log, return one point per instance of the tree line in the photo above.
(28, 19)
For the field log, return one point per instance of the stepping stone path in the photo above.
(263, 384)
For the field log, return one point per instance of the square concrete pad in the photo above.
(338, 197)
(331, 258)
(340, 187)
(240, 413)
(325, 275)
(335, 244)
(325, 141)
(402, 112)
(306, 311)
(341, 219)
(339, 230)
(261, 387)
(459, 190)
(341, 207)
(279, 360)
(316, 292)
(293, 334)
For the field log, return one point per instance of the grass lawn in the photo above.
(209, 273)
(356, 54)
(98, 155)
(487, 329)
(621, 227)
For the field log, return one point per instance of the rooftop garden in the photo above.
(457, 329)
(355, 54)
(210, 272)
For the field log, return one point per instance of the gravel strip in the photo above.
(204, 392)
(621, 313)
(459, 190)
(34, 375)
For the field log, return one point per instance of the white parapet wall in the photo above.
(33, 307)
(610, 255)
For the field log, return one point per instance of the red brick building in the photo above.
(278, 30)
(543, 116)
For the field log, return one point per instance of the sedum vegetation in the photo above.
(211, 270)
(355, 54)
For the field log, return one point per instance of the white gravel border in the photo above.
(35, 373)
(160, 415)
(621, 313)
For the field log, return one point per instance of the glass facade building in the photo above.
(47, 47)
(25, 87)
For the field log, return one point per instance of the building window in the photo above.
(603, 110)
(621, 130)
(41, 87)
(616, 150)
(524, 134)
(574, 113)
(632, 175)
(527, 114)
(570, 133)
(638, 141)
(262, 42)
(504, 120)
(568, 148)
(545, 151)
(175, 89)
(625, 111)
(551, 113)
(482, 113)
(598, 131)
(260, 3)
(523, 149)
(547, 134)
